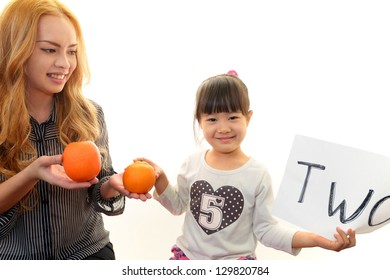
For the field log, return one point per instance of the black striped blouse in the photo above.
(65, 224)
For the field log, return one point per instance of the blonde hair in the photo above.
(76, 115)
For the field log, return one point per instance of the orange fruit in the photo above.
(139, 177)
(81, 161)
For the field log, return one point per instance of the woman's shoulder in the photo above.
(95, 104)
(98, 108)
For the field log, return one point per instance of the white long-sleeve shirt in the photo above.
(226, 212)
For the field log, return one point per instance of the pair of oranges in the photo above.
(82, 162)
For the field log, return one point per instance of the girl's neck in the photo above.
(226, 161)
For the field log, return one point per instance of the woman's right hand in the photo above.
(46, 168)
(50, 169)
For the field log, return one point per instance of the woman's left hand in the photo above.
(115, 186)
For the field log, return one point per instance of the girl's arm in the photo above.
(307, 239)
(174, 199)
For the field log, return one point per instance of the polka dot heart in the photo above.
(215, 210)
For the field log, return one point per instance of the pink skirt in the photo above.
(178, 254)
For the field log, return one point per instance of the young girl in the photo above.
(43, 213)
(227, 195)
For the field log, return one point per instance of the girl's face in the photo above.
(54, 57)
(224, 131)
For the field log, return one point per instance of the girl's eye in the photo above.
(233, 117)
(73, 52)
(211, 119)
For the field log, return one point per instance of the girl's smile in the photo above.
(224, 131)
(225, 139)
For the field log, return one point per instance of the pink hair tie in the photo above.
(232, 72)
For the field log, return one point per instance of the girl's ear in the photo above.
(249, 116)
(200, 124)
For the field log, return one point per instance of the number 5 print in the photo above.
(211, 215)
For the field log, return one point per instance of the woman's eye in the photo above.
(49, 50)
(73, 52)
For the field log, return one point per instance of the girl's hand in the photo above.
(343, 240)
(157, 169)
(161, 178)
(308, 239)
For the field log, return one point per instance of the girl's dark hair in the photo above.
(223, 93)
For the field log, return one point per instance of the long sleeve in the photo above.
(175, 198)
(7, 221)
(115, 205)
(227, 212)
(266, 228)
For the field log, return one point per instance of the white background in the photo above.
(316, 68)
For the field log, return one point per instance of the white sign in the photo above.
(327, 185)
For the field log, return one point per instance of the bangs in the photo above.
(221, 101)
(222, 94)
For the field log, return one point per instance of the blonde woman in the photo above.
(43, 213)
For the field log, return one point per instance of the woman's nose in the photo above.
(62, 61)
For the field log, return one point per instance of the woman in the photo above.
(43, 213)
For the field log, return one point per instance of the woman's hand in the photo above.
(49, 169)
(46, 168)
(114, 186)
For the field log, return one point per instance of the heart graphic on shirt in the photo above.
(215, 210)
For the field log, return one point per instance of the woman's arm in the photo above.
(46, 168)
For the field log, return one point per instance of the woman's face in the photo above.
(54, 57)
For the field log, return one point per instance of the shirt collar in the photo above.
(52, 118)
